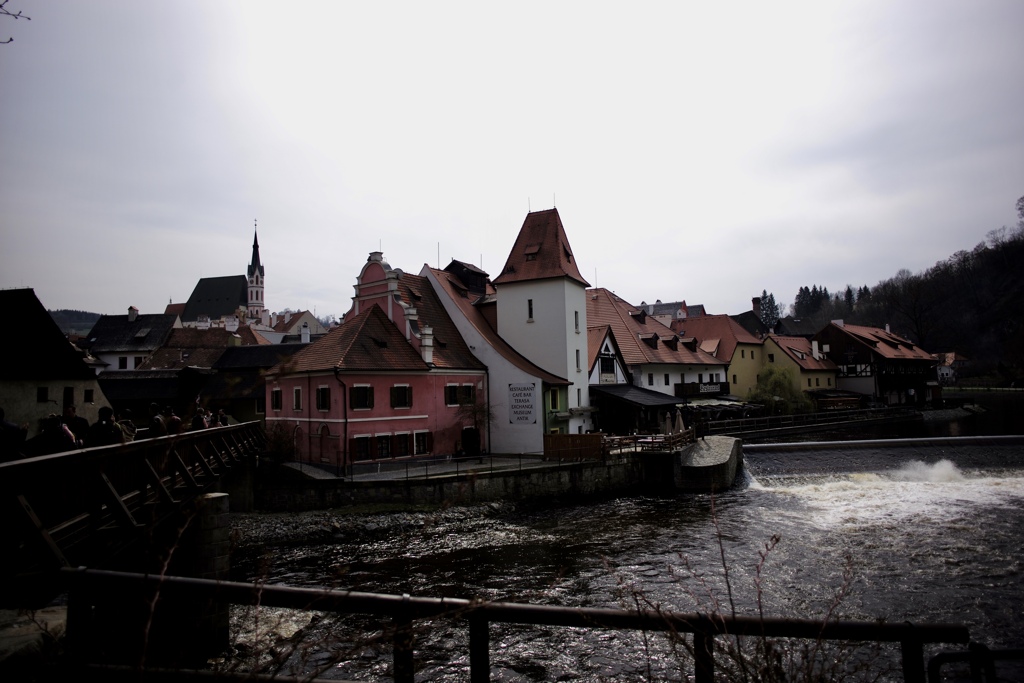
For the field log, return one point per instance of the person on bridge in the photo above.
(105, 432)
(79, 426)
(157, 426)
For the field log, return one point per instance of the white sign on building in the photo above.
(522, 403)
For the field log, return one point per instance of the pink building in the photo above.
(394, 380)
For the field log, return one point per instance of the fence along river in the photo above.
(930, 534)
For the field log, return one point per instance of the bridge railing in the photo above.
(72, 508)
(90, 587)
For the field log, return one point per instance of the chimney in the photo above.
(887, 331)
(133, 313)
(231, 324)
(265, 317)
(755, 303)
(203, 322)
(234, 340)
(427, 345)
(287, 317)
(305, 333)
(814, 350)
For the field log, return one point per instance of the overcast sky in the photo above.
(698, 151)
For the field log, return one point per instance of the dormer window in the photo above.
(531, 252)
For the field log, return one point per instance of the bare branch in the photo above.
(13, 15)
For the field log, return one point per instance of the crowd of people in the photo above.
(69, 431)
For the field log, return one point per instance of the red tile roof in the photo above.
(368, 341)
(450, 349)
(541, 251)
(800, 350)
(885, 344)
(641, 339)
(723, 330)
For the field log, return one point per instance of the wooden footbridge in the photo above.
(87, 507)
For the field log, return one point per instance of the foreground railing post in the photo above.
(913, 660)
(405, 670)
(703, 657)
(479, 649)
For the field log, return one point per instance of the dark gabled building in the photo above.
(124, 342)
(876, 362)
(239, 385)
(42, 372)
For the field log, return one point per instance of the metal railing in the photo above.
(87, 588)
(56, 505)
(821, 418)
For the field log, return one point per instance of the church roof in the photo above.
(217, 297)
(541, 251)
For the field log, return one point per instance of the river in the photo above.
(921, 534)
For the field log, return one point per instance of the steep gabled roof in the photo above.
(641, 339)
(799, 350)
(450, 349)
(723, 331)
(41, 351)
(460, 296)
(217, 297)
(368, 341)
(117, 334)
(541, 251)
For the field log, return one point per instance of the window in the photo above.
(361, 448)
(323, 398)
(650, 379)
(88, 396)
(297, 398)
(421, 442)
(830, 381)
(553, 399)
(275, 399)
(456, 395)
(666, 379)
(808, 382)
(607, 365)
(122, 362)
(360, 397)
(579, 397)
(529, 309)
(383, 445)
(577, 315)
(743, 353)
(138, 361)
(261, 405)
(771, 357)
(42, 394)
(817, 381)
(401, 396)
(734, 379)
(400, 445)
(700, 378)
(751, 353)
(577, 360)
(69, 396)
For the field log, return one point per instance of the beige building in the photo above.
(811, 370)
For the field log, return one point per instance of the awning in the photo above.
(635, 395)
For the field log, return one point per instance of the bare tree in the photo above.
(13, 15)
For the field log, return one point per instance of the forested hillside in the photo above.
(74, 322)
(971, 303)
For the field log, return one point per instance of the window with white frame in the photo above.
(323, 398)
(297, 398)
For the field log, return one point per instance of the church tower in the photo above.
(255, 277)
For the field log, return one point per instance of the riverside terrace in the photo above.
(585, 465)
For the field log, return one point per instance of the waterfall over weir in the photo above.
(927, 532)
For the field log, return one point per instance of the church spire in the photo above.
(255, 275)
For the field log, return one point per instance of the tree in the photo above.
(777, 391)
(769, 310)
(4, 12)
